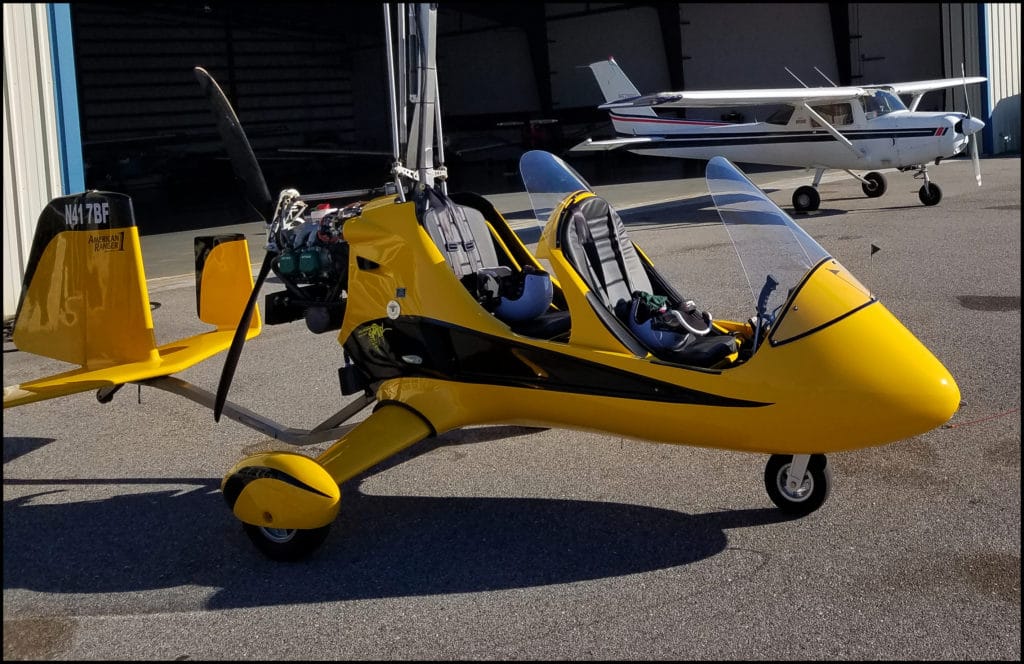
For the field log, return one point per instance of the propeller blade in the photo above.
(973, 137)
(974, 157)
(231, 361)
(243, 161)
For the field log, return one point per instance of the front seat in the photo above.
(595, 241)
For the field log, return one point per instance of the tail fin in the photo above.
(84, 299)
(615, 86)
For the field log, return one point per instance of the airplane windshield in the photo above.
(881, 103)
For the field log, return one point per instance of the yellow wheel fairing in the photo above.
(281, 490)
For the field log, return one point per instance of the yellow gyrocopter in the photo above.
(446, 320)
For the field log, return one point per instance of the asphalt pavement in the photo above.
(508, 543)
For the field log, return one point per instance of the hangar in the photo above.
(102, 96)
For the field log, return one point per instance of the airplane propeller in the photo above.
(969, 123)
(247, 169)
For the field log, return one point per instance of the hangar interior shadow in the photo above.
(380, 546)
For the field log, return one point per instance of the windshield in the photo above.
(548, 181)
(774, 252)
(881, 103)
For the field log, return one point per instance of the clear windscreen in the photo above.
(774, 251)
(548, 180)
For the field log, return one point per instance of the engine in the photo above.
(311, 261)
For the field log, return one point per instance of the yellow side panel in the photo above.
(87, 303)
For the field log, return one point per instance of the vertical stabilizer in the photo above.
(84, 297)
(616, 86)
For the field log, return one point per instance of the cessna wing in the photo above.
(919, 88)
(755, 97)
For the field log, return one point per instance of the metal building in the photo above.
(101, 95)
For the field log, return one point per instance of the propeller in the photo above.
(968, 123)
(247, 169)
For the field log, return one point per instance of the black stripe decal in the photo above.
(422, 347)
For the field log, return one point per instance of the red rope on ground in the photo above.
(984, 419)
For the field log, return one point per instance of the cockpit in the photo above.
(881, 103)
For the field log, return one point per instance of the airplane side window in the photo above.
(780, 116)
(835, 114)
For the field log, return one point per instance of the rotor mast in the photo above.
(415, 86)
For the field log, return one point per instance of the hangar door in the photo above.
(147, 130)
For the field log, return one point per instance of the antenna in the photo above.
(825, 77)
(795, 76)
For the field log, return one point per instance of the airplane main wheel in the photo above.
(811, 494)
(875, 185)
(806, 199)
(286, 544)
(930, 194)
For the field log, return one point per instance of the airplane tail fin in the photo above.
(615, 85)
(84, 299)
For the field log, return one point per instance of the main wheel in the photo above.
(806, 199)
(930, 194)
(286, 544)
(875, 185)
(813, 491)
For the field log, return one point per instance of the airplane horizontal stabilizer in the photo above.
(611, 144)
(84, 299)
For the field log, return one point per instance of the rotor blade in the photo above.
(243, 161)
(231, 361)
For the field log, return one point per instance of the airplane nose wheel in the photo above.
(929, 193)
(798, 499)
(286, 544)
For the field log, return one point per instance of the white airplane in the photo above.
(852, 128)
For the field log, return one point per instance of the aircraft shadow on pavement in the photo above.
(15, 447)
(380, 545)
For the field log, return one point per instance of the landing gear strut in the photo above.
(929, 193)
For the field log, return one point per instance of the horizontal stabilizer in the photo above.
(84, 299)
(611, 144)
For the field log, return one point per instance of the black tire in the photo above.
(806, 199)
(875, 185)
(286, 545)
(816, 486)
(930, 194)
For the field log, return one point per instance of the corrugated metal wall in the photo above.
(31, 155)
(1003, 54)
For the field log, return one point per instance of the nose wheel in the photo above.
(798, 497)
(929, 193)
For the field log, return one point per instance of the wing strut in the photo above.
(832, 130)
